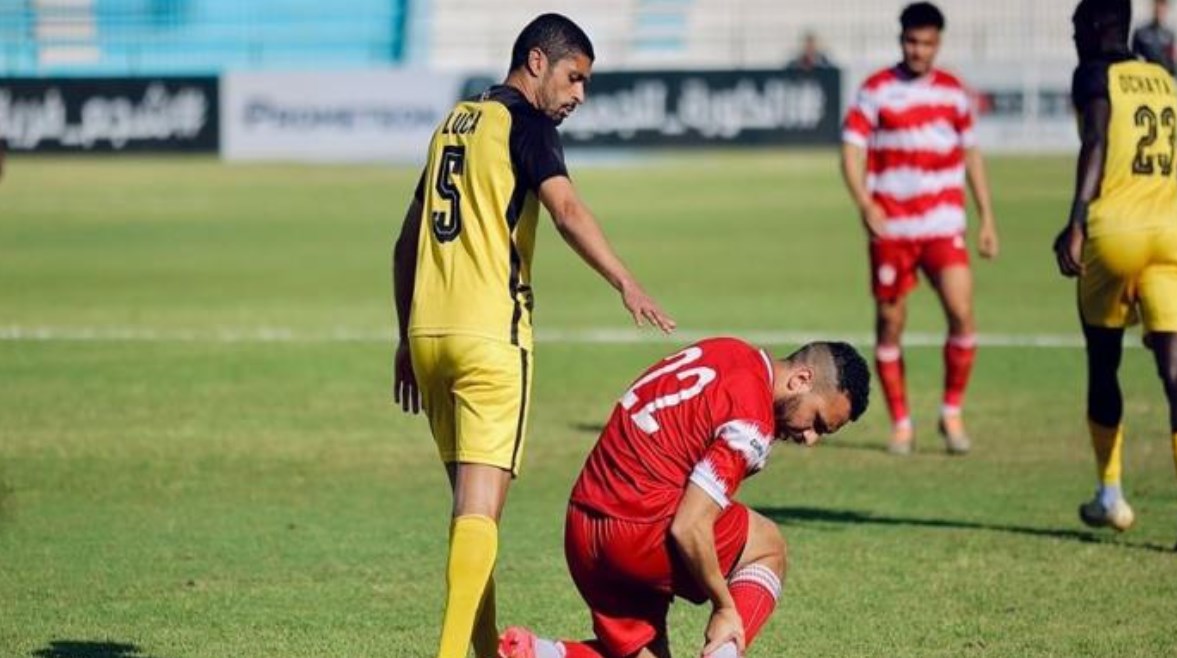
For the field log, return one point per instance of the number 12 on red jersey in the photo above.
(693, 381)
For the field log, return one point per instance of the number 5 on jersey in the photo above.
(701, 376)
(447, 225)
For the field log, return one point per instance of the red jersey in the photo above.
(703, 415)
(916, 131)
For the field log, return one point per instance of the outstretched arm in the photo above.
(581, 231)
(693, 533)
(987, 244)
(1068, 246)
(404, 274)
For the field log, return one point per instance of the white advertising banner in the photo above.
(353, 116)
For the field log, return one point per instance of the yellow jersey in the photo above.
(478, 192)
(1139, 187)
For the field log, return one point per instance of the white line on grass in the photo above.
(594, 336)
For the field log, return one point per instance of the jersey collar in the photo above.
(768, 365)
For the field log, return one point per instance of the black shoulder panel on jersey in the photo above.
(419, 194)
(536, 150)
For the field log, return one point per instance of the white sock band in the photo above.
(760, 575)
(888, 353)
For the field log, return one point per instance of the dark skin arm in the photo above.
(1068, 246)
(404, 274)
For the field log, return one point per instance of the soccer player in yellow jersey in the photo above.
(462, 280)
(1121, 239)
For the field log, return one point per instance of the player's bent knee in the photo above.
(766, 545)
(783, 556)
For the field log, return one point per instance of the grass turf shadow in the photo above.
(84, 649)
(803, 515)
(587, 428)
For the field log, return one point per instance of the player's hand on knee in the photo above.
(1068, 250)
(404, 382)
(724, 626)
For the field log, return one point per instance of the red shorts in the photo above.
(893, 263)
(628, 572)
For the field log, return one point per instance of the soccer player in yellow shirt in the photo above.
(1121, 238)
(462, 282)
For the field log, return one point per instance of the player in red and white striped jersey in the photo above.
(653, 514)
(908, 147)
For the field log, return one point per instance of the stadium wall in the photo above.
(1016, 55)
(669, 73)
(356, 116)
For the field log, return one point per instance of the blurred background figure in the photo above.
(811, 56)
(1155, 40)
(909, 147)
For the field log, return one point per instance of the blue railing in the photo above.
(146, 37)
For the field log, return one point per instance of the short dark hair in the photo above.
(1114, 16)
(554, 34)
(921, 14)
(851, 374)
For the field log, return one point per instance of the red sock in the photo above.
(755, 589)
(959, 352)
(889, 364)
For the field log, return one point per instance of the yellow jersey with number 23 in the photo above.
(1139, 187)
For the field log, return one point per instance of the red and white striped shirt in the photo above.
(916, 131)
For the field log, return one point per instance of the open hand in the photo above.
(645, 309)
(404, 380)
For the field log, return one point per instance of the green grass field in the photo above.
(199, 456)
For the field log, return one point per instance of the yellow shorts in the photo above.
(1130, 277)
(476, 392)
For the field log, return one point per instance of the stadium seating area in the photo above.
(118, 37)
(127, 37)
(638, 34)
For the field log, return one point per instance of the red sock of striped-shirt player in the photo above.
(889, 365)
(959, 353)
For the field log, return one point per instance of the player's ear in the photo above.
(801, 380)
(537, 62)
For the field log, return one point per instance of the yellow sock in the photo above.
(474, 543)
(1107, 442)
(486, 633)
(1175, 449)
